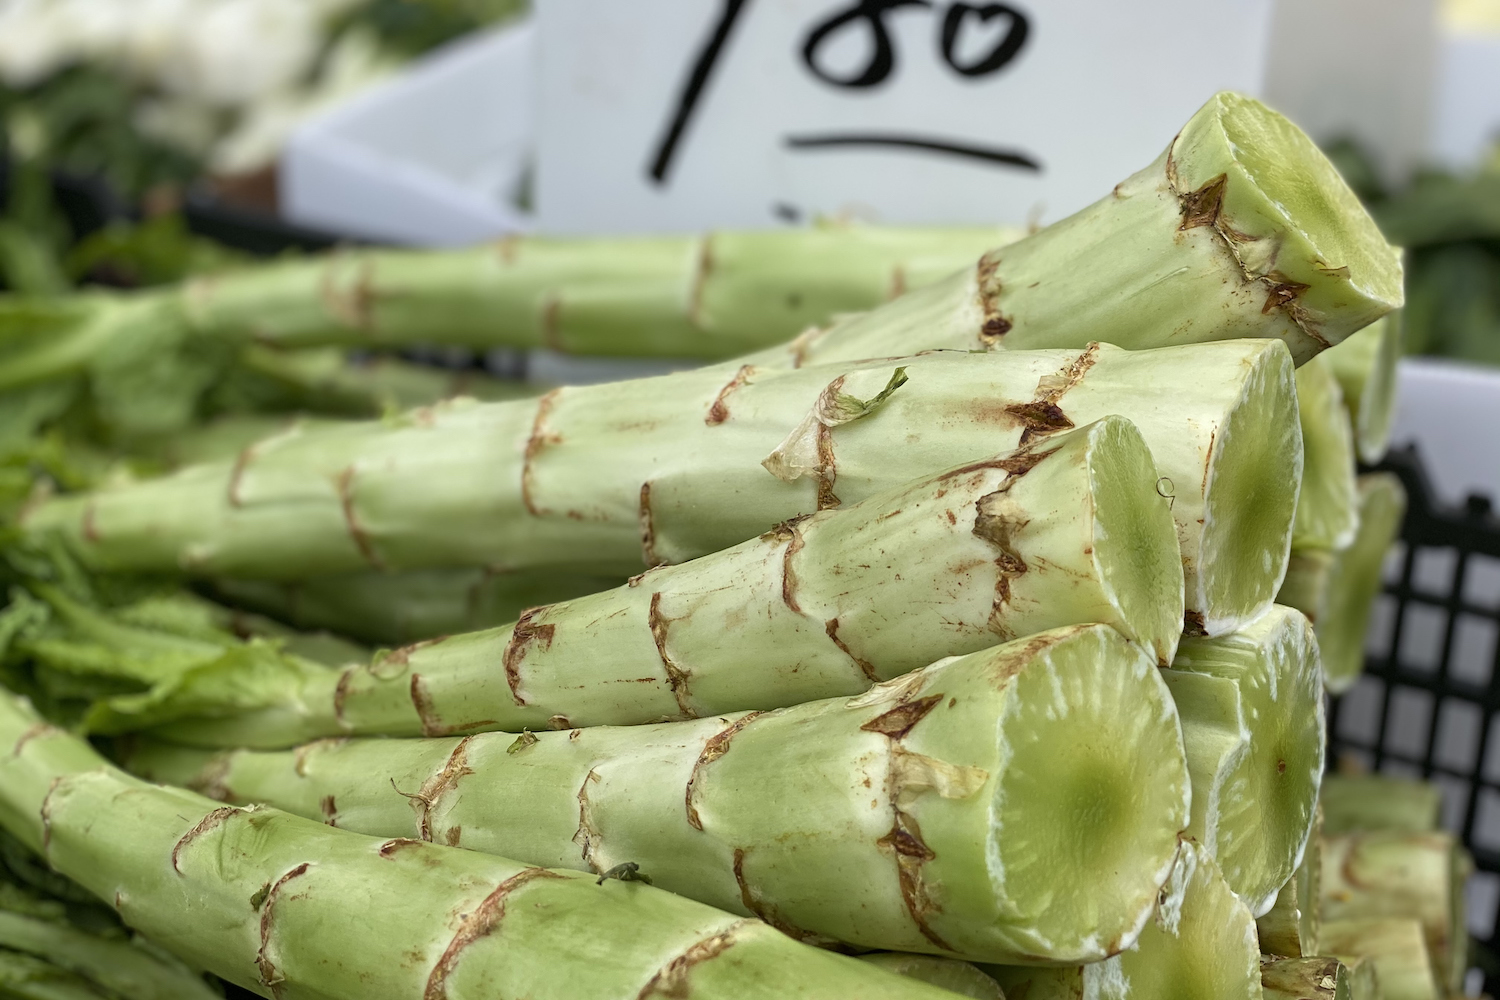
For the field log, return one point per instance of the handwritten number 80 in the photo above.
(882, 58)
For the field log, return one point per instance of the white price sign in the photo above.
(685, 114)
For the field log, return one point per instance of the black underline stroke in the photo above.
(989, 154)
(687, 101)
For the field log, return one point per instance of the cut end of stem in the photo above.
(1085, 819)
(1267, 806)
(1250, 499)
(1290, 218)
(1135, 540)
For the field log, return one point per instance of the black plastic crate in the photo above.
(1428, 705)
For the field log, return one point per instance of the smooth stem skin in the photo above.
(1327, 507)
(1261, 816)
(1396, 874)
(1314, 979)
(1199, 945)
(1290, 928)
(1241, 228)
(118, 966)
(1071, 531)
(1018, 804)
(959, 977)
(294, 909)
(1365, 365)
(1393, 946)
(1337, 589)
(711, 296)
(1370, 802)
(601, 479)
(399, 608)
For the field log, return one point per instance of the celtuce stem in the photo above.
(1327, 507)
(1072, 530)
(119, 967)
(1257, 814)
(400, 608)
(1394, 947)
(1199, 945)
(265, 900)
(1395, 874)
(1241, 228)
(1337, 589)
(567, 482)
(1020, 803)
(1290, 928)
(1365, 365)
(1371, 802)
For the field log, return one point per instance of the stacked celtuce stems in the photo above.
(1071, 531)
(1111, 774)
(1048, 770)
(613, 477)
(265, 900)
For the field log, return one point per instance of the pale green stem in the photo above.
(1393, 946)
(1261, 804)
(1019, 803)
(1327, 507)
(1365, 365)
(297, 910)
(1355, 803)
(1290, 927)
(600, 479)
(1397, 874)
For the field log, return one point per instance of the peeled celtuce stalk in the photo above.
(1369, 802)
(265, 900)
(1290, 928)
(959, 977)
(599, 479)
(1318, 979)
(1337, 589)
(400, 608)
(1021, 803)
(1327, 508)
(1254, 799)
(1241, 228)
(1365, 365)
(1071, 530)
(1199, 945)
(1393, 946)
(1396, 874)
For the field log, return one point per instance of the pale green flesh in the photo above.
(1327, 514)
(1365, 365)
(1199, 945)
(1208, 953)
(1252, 489)
(1129, 521)
(1354, 580)
(1082, 794)
(1309, 193)
(1268, 804)
(1290, 928)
